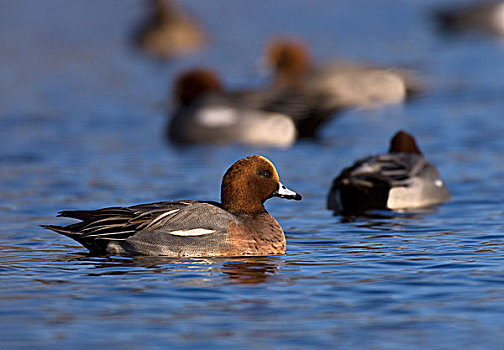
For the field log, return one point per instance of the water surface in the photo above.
(82, 117)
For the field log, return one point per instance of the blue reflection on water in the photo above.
(82, 119)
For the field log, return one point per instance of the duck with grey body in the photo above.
(402, 179)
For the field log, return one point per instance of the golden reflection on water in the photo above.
(243, 270)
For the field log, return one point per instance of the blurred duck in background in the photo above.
(402, 179)
(167, 32)
(484, 17)
(205, 113)
(310, 110)
(343, 84)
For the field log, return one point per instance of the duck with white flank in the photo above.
(399, 180)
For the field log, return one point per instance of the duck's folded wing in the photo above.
(396, 169)
(139, 229)
(198, 230)
(124, 222)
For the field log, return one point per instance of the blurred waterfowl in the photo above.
(343, 84)
(205, 113)
(402, 179)
(238, 226)
(168, 32)
(309, 110)
(484, 17)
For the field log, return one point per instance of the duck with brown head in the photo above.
(205, 113)
(238, 226)
(341, 84)
(399, 180)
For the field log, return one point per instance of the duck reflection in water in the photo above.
(385, 214)
(243, 270)
(250, 270)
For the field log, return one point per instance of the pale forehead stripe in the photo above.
(269, 162)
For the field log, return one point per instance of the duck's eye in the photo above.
(265, 174)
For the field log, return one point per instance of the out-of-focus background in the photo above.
(83, 113)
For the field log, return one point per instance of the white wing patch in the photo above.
(192, 232)
(217, 117)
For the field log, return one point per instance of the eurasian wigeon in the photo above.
(343, 84)
(238, 226)
(168, 32)
(484, 17)
(399, 180)
(205, 113)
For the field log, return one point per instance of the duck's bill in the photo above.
(284, 192)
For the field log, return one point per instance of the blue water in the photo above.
(82, 117)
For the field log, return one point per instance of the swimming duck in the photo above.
(237, 226)
(168, 32)
(485, 17)
(205, 113)
(400, 179)
(343, 84)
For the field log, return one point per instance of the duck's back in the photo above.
(356, 85)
